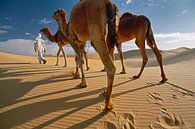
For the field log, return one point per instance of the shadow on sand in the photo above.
(42, 108)
(71, 103)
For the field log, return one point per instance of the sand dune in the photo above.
(47, 96)
(134, 59)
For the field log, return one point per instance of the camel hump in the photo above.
(126, 15)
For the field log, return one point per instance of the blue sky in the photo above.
(22, 19)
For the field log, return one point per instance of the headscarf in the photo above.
(39, 35)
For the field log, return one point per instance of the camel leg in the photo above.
(76, 74)
(79, 61)
(106, 59)
(120, 52)
(111, 52)
(86, 59)
(144, 57)
(64, 54)
(159, 59)
(111, 69)
(58, 53)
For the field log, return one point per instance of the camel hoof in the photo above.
(108, 108)
(164, 80)
(82, 85)
(65, 66)
(87, 69)
(123, 72)
(135, 77)
(56, 64)
(103, 70)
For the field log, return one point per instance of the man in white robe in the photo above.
(39, 47)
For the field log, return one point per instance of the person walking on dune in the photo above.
(39, 47)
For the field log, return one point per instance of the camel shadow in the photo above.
(12, 89)
(93, 119)
(48, 106)
(13, 63)
(88, 122)
(32, 70)
(181, 88)
(71, 103)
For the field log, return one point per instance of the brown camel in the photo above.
(61, 40)
(84, 25)
(138, 27)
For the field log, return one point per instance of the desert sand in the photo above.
(46, 96)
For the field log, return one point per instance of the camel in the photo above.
(92, 20)
(61, 40)
(138, 27)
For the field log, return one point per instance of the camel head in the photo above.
(60, 16)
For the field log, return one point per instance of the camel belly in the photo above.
(126, 35)
(78, 22)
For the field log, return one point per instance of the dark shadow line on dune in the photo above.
(22, 72)
(13, 63)
(124, 82)
(89, 72)
(16, 66)
(180, 87)
(137, 89)
(43, 95)
(5, 75)
(95, 76)
(35, 67)
(88, 122)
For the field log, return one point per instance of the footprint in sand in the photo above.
(127, 121)
(154, 98)
(168, 120)
(181, 93)
(115, 121)
(107, 125)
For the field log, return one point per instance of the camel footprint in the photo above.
(126, 121)
(115, 121)
(107, 125)
(181, 93)
(168, 120)
(154, 98)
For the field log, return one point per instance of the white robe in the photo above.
(39, 47)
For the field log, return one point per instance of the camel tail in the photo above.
(150, 35)
(112, 14)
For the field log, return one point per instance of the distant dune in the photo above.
(133, 58)
(46, 96)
